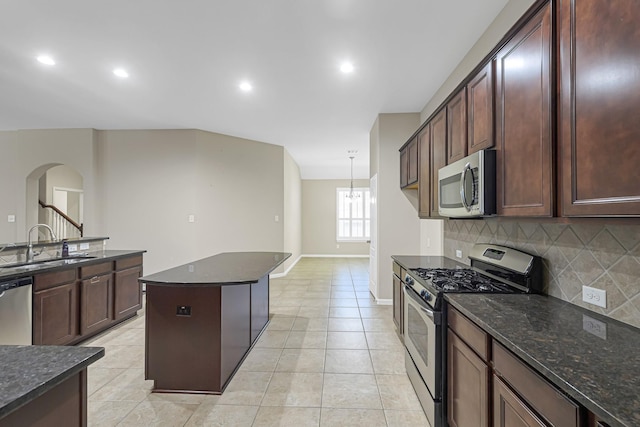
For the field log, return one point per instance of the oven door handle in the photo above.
(431, 314)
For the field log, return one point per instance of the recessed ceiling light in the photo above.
(245, 87)
(47, 60)
(120, 72)
(346, 67)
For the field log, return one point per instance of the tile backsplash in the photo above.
(602, 256)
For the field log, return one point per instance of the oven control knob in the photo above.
(408, 280)
(425, 295)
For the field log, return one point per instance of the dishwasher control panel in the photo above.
(15, 283)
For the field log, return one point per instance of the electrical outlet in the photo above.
(84, 246)
(428, 242)
(183, 310)
(594, 326)
(73, 248)
(458, 253)
(276, 218)
(594, 296)
(192, 218)
(337, 246)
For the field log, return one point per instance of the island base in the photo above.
(197, 336)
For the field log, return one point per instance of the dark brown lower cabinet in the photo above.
(127, 292)
(96, 302)
(468, 386)
(63, 405)
(476, 363)
(72, 304)
(55, 312)
(509, 410)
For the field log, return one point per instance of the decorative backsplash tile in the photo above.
(601, 256)
(10, 254)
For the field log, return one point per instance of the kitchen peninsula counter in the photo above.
(45, 384)
(203, 317)
(592, 358)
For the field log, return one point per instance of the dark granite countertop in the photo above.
(227, 268)
(60, 264)
(30, 371)
(407, 262)
(592, 358)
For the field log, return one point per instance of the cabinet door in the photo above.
(457, 127)
(509, 410)
(127, 292)
(412, 162)
(480, 110)
(438, 156)
(55, 312)
(523, 121)
(97, 305)
(468, 385)
(424, 176)
(404, 167)
(599, 103)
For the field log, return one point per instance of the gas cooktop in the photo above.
(461, 280)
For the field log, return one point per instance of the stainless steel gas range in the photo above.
(494, 269)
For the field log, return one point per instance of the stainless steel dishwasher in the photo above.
(16, 311)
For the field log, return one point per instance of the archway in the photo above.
(55, 196)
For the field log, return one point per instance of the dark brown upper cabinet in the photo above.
(524, 139)
(599, 129)
(480, 110)
(409, 165)
(424, 177)
(438, 156)
(457, 127)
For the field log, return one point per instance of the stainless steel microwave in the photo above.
(467, 188)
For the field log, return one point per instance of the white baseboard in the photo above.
(277, 275)
(333, 256)
(384, 301)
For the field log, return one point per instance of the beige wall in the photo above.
(319, 219)
(489, 39)
(26, 155)
(292, 211)
(398, 227)
(141, 186)
(156, 179)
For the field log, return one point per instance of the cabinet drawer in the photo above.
(124, 263)
(49, 280)
(96, 269)
(543, 397)
(475, 337)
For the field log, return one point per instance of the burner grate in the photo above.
(461, 280)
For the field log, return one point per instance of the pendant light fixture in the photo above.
(352, 195)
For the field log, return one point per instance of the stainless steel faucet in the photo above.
(30, 253)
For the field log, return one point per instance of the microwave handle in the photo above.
(463, 195)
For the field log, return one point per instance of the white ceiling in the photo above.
(186, 58)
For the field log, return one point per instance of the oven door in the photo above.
(423, 340)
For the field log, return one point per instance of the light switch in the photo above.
(277, 218)
(11, 218)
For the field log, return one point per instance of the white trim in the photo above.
(384, 301)
(277, 275)
(334, 256)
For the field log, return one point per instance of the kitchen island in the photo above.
(45, 385)
(203, 317)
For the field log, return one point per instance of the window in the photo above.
(354, 215)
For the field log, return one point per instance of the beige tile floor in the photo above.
(329, 357)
